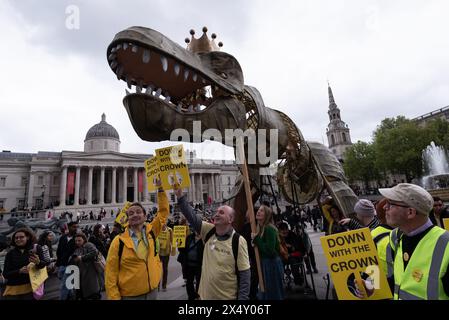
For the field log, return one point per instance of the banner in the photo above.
(170, 165)
(354, 266)
(140, 181)
(179, 236)
(70, 183)
(446, 223)
(122, 218)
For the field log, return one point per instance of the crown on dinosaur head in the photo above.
(202, 44)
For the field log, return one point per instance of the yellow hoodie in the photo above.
(132, 276)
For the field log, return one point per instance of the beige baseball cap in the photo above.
(410, 194)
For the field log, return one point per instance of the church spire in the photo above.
(332, 104)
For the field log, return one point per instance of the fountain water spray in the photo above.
(436, 167)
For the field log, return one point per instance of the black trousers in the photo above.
(164, 260)
(193, 274)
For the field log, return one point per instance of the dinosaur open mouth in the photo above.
(160, 76)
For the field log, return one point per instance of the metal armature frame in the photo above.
(307, 261)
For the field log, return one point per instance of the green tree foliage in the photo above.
(398, 143)
(438, 132)
(360, 163)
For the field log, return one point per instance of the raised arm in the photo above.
(187, 210)
(163, 210)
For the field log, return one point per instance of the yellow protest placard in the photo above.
(37, 276)
(179, 236)
(152, 172)
(163, 238)
(446, 223)
(172, 166)
(352, 258)
(122, 218)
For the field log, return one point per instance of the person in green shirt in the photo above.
(267, 240)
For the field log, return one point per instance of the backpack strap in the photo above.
(154, 242)
(209, 234)
(235, 252)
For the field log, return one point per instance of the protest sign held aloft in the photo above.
(354, 265)
(170, 165)
(122, 218)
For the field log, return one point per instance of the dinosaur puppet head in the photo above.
(176, 86)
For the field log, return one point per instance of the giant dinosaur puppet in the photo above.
(177, 86)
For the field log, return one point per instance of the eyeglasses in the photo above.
(389, 204)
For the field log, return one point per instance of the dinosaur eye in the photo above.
(224, 75)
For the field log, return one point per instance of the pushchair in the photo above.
(294, 271)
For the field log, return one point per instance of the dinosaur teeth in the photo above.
(125, 46)
(113, 50)
(194, 77)
(179, 107)
(119, 71)
(158, 92)
(138, 89)
(177, 69)
(186, 75)
(167, 99)
(113, 64)
(203, 80)
(119, 46)
(128, 82)
(190, 110)
(198, 108)
(134, 48)
(112, 56)
(149, 89)
(146, 56)
(127, 92)
(164, 63)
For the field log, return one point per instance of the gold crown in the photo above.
(202, 44)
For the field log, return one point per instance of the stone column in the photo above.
(145, 186)
(77, 186)
(102, 185)
(114, 182)
(89, 185)
(193, 189)
(217, 186)
(63, 187)
(31, 190)
(190, 197)
(214, 193)
(125, 183)
(136, 186)
(201, 188)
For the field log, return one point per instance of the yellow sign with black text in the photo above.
(170, 165)
(179, 236)
(446, 223)
(163, 238)
(122, 218)
(353, 262)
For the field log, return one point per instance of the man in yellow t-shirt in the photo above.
(219, 279)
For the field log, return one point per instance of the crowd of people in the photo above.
(219, 263)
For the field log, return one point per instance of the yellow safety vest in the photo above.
(381, 239)
(421, 280)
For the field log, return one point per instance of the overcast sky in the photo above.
(382, 58)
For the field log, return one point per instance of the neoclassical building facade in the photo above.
(99, 177)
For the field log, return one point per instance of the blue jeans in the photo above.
(65, 293)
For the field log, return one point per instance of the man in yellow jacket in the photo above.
(133, 268)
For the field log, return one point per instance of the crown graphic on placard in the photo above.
(202, 44)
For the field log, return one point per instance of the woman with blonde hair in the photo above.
(267, 240)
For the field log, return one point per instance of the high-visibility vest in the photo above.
(381, 239)
(421, 280)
